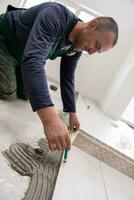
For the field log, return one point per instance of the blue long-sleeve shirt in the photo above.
(41, 33)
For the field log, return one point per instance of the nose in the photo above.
(92, 51)
(100, 51)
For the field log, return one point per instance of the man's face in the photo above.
(92, 41)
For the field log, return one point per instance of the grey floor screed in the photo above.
(41, 164)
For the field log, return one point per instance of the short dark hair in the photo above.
(108, 24)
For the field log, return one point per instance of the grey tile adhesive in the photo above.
(41, 164)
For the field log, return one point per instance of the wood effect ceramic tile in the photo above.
(116, 134)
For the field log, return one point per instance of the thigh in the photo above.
(7, 75)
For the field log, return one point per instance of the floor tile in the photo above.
(118, 186)
(80, 178)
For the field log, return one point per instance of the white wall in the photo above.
(121, 90)
(4, 3)
(113, 99)
(96, 75)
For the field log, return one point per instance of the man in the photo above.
(28, 38)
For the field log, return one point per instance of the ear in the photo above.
(93, 23)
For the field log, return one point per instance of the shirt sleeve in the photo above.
(45, 31)
(67, 83)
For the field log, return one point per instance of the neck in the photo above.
(76, 30)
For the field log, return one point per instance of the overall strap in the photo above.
(55, 51)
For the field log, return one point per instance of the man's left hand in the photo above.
(74, 122)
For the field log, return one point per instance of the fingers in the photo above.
(68, 142)
(52, 146)
(74, 122)
(61, 143)
(57, 135)
(75, 128)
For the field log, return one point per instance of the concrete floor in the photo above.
(19, 124)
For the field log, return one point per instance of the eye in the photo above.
(97, 45)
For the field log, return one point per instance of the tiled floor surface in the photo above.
(83, 177)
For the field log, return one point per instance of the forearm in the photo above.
(36, 86)
(67, 82)
(68, 97)
(47, 114)
(67, 88)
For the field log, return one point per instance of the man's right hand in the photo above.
(55, 130)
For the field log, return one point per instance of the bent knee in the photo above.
(11, 96)
(7, 77)
(8, 91)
